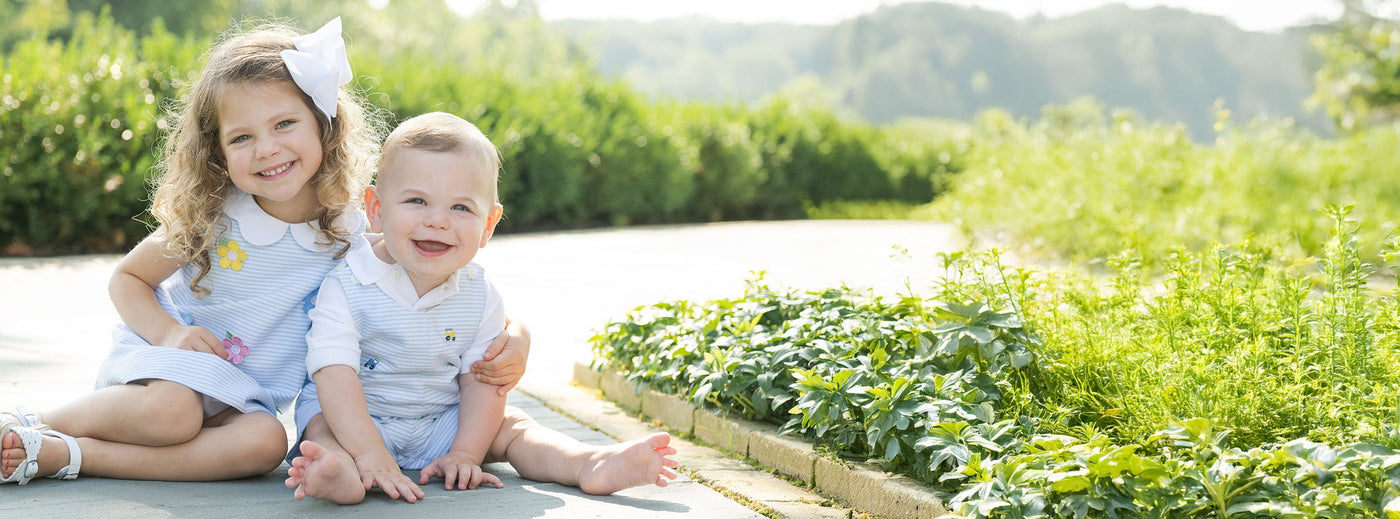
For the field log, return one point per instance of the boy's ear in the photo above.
(372, 207)
(491, 220)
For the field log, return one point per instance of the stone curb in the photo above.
(863, 486)
(761, 490)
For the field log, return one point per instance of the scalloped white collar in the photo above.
(260, 228)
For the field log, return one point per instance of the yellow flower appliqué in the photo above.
(231, 256)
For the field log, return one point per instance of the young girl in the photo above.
(260, 173)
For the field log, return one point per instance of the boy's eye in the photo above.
(461, 207)
(416, 201)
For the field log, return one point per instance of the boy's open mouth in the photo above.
(431, 247)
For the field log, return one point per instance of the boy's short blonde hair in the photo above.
(441, 132)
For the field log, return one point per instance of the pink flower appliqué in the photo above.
(237, 351)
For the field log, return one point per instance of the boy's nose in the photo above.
(436, 219)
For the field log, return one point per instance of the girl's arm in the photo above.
(133, 292)
(504, 361)
(479, 418)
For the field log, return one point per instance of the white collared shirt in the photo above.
(334, 337)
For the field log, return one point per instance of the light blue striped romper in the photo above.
(409, 359)
(262, 281)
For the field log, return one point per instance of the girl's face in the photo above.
(271, 145)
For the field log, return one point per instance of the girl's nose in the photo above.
(267, 148)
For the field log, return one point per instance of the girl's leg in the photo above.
(543, 454)
(231, 445)
(146, 412)
(324, 470)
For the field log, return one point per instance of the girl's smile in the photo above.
(278, 171)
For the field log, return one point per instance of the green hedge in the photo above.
(78, 130)
(79, 116)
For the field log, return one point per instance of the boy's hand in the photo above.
(456, 467)
(504, 361)
(194, 338)
(380, 470)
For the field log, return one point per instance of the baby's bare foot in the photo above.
(627, 465)
(323, 474)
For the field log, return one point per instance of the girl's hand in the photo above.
(380, 470)
(194, 338)
(456, 469)
(504, 361)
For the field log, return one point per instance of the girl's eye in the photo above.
(285, 124)
(238, 139)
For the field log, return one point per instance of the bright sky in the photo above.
(1255, 15)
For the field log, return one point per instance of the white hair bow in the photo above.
(319, 65)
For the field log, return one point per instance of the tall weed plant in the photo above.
(1084, 186)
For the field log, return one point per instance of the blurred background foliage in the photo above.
(1117, 128)
(84, 84)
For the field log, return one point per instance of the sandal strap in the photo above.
(75, 456)
(33, 440)
(29, 419)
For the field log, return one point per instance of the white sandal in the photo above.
(33, 440)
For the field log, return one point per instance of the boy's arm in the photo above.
(479, 420)
(332, 351)
(133, 291)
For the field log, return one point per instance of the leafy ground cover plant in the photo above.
(1231, 386)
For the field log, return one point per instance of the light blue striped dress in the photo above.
(409, 358)
(263, 280)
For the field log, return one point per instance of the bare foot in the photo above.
(323, 474)
(53, 455)
(627, 465)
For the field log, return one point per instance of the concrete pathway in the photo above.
(55, 320)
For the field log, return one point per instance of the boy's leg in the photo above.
(543, 454)
(324, 470)
(232, 445)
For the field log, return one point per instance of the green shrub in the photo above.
(79, 123)
(1234, 386)
(79, 115)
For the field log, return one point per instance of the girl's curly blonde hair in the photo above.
(191, 180)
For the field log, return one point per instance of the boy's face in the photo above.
(435, 210)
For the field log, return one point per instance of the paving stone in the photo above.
(722, 433)
(671, 410)
(621, 391)
(872, 491)
(586, 376)
(791, 457)
(807, 510)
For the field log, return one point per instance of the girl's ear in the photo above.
(372, 207)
